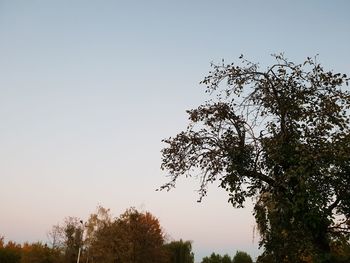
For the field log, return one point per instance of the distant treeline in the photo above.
(133, 237)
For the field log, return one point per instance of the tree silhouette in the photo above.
(280, 136)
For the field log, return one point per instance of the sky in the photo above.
(88, 89)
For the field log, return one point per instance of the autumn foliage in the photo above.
(133, 237)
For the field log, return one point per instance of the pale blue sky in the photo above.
(89, 88)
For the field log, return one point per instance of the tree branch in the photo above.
(334, 205)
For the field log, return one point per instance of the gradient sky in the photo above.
(88, 89)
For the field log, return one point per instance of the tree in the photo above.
(9, 256)
(144, 236)
(67, 238)
(242, 257)
(213, 258)
(10, 252)
(39, 253)
(280, 136)
(217, 258)
(55, 237)
(180, 251)
(132, 237)
(226, 259)
(98, 234)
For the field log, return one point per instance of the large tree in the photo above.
(179, 251)
(131, 238)
(67, 238)
(280, 136)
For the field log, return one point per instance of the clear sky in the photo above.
(88, 89)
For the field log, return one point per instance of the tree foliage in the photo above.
(242, 257)
(280, 136)
(67, 238)
(132, 237)
(179, 252)
(12, 252)
(40, 253)
(217, 258)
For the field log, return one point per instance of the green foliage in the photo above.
(226, 259)
(242, 257)
(179, 252)
(213, 258)
(282, 137)
(217, 258)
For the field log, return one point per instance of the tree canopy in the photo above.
(37, 252)
(179, 252)
(132, 237)
(281, 137)
(217, 258)
(242, 257)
